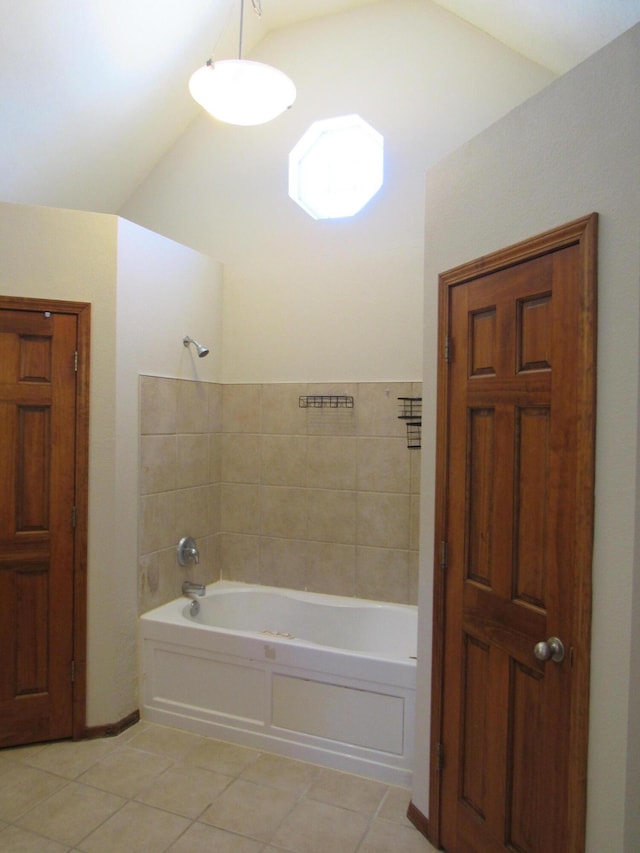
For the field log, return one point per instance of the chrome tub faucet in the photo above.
(188, 551)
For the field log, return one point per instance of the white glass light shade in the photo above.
(240, 91)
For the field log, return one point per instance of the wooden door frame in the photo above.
(82, 311)
(582, 233)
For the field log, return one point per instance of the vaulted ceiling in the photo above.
(94, 92)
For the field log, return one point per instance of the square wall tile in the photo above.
(384, 465)
(215, 407)
(240, 508)
(281, 412)
(157, 526)
(414, 537)
(330, 421)
(192, 414)
(382, 574)
(415, 457)
(241, 408)
(158, 456)
(283, 562)
(158, 405)
(332, 516)
(331, 568)
(284, 512)
(383, 520)
(192, 512)
(215, 458)
(331, 462)
(378, 408)
(213, 502)
(240, 557)
(240, 458)
(283, 460)
(414, 573)
(192, 460)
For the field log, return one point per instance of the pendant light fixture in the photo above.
(240, 91)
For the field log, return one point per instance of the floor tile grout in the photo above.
(356, 819)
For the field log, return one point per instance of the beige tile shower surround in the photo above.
(319, 499)
(158, 789)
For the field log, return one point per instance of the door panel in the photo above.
(515, 473)
(37, 470)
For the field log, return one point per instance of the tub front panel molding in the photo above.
(348, 709)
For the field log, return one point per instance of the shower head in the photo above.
(202, 350)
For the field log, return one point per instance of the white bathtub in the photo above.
(316, 677)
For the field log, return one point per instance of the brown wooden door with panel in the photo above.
(517, 520)
(37, 477)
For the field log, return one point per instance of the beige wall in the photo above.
(324, 499)
(334, 301)
(129, 276)
(570, 150)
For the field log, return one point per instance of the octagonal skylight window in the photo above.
(336, 167)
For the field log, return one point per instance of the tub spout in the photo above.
(189, 588)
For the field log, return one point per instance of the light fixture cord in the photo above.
(240, 37)
(257, 8)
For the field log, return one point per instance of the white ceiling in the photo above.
(93, 92)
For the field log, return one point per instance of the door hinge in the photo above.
(439, 757)
(75, 361)
(73, 670)
(447, 349)
(74, 516)
(444, 555)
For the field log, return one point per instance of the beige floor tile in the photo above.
(383, 837)
(17, 840)
(130, 732)
(70, 758)
(347, 791)
(125, 771)
(221, 757)
(19, 753)
(185, 790)
(395, 804)
(206, 839)
(71, 813)
(23, 787)
(316, 828)
(283, 773)
(165, 741)
(138, 828)
(248, 809)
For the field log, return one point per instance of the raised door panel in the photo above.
(516, 425)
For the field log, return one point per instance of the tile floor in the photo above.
(155, 789)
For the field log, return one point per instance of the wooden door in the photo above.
(515, 525)
(41, 553)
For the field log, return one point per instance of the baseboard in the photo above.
(112, 729)
(419, 820)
